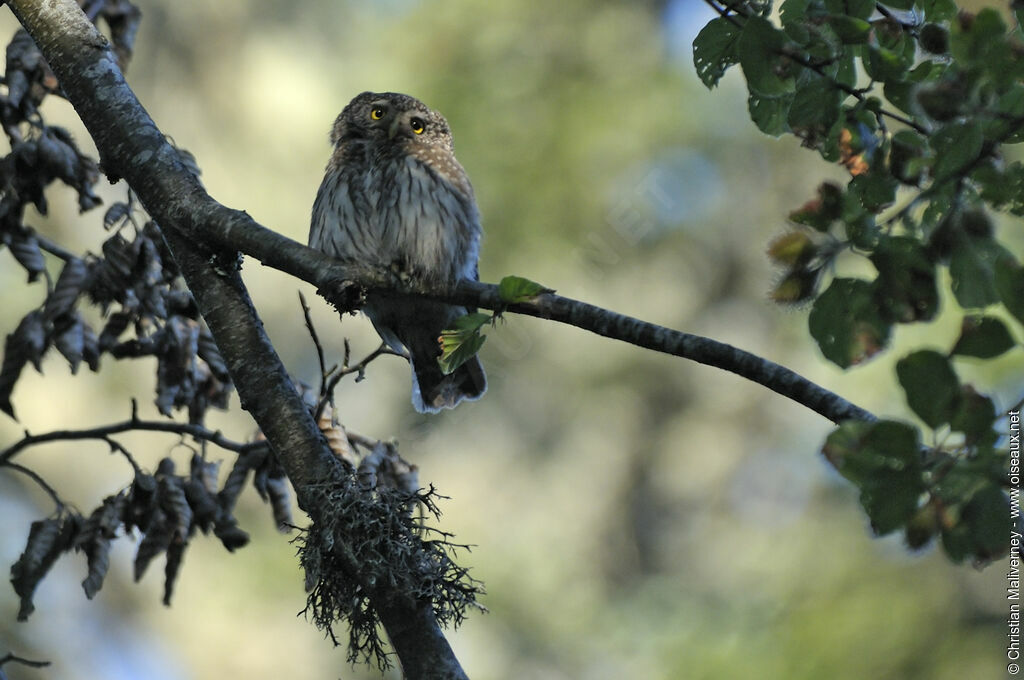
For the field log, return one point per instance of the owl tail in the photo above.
(432, 390)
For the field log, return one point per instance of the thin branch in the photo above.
(54, 248)
(361, 440)
(329, 379)
(24, 662)
(34, 476)
(887, 13)
(119, 448)
(359, 369)
(1015, 125)
(724, 13)
(104, 432)
(316, 344)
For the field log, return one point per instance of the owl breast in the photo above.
(399, 211)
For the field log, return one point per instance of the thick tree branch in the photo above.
(131, 146)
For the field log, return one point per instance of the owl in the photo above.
(395, 196)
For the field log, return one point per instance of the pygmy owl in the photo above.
(394, 196)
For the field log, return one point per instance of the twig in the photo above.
(116, 446)
(38, 480)
(938, 183)
(103, 433)
(887, 13)
(361, 439)
(359, 369)
(316, 343)
(24, 662)
(54, 248)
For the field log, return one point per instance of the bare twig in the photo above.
(24, 662)
(104, 432)
(34, 476)
(54, 248)
(359, 369)
(316, 344)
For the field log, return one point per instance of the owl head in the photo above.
(390, 118)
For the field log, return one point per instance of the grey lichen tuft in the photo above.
(365, 542)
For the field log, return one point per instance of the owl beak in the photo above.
(393, 129)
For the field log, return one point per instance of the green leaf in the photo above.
(958, 483)
(858, 449)
(793, 12)
(987, 515)
(931, 386)
(940, 208)
(906, 286)
(851, 31)
(956, 146)
(846, 67)
(976, 42)
(883, 459)
(815, 108)
(907, 156)
(899, 4)
(759, 49)
(890, 53)
(1005, 126)
(714, 50)
(1002, 187)
(977, 520)
(983, 337)
(846, 324)
(892, 499)
(859, 9)
(513, 289)
(975, 415)
(1009, 282)
(972, 267)
(769, 113)
(460, 343)
(901, 95)
(938, 10)
(956, 541)
(925, 71)
(876, 188)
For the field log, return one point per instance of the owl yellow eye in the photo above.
(377, 112)
(417, 125)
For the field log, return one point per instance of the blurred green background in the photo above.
(632, 514)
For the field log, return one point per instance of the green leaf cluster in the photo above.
(919, 101)
(927, 494)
